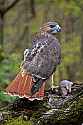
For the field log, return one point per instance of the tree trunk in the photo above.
(61, 111)
(81, 41)
(3, 11)
(68, 27)
(32, 6)
(1, 29)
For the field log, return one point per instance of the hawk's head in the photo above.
(51, 27)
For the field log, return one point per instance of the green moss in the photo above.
(17, 121)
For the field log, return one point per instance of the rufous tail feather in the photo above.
(22, 85)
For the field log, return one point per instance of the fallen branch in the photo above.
(45, 113)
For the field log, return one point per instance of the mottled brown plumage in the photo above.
(39, 63)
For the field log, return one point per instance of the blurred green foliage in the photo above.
(2, 56)
(4, 98)
(8, 68)
(18, 121)
(70, 7)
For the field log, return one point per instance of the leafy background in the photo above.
(25, 18)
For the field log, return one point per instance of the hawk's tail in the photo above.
(21, 86)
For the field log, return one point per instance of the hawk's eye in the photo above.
(51, 26)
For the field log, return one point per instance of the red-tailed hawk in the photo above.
(39, 63)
